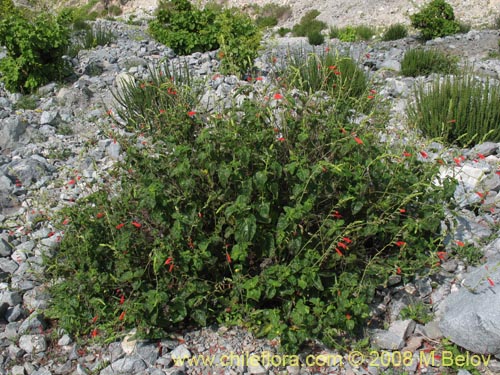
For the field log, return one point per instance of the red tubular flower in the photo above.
(94, 319)
(481, 156)
(94, 333)
(492, 283)
(99, 215)
(358, 141)
(71, 182)
(171, 268)
(480, 195)
(346, 239)
(169, 260)
(122, 316)
(122, 299)
(336, 215)
(348, 316)
(398, 270)
(424, 154)
(136, 224)
(191, 113)
(228, 257)
(400, 243)
(402, 210)
(441, 254)
(339, 252)
(278, 96)
(460, 243)
(406, 154)
(370, 97)
(281, 139)
(120, 226)
(342, 245)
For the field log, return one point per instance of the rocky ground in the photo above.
(62, 149)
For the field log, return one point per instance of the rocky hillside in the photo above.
(61, 147)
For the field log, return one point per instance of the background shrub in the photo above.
(275, 215)
(186, 29)
(420, 62)
(352, 34)
(309, 24)
(459, 110)
(35, 47)
(395, 32)
(315, 38)
(437, 19)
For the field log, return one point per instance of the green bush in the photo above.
(309, 24)
(435, 20)
(315, 38)
(35, 48)
(459, 110)
(270, 14)
(338, 75)
(395, 32)
(352, 34)
(420, 62)
(186, 29)
(282, 31)
(273, 215)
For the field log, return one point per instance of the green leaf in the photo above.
(245, 229)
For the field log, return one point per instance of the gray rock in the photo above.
(5, 248)
(394, 338)
(33, 324)
(11, 129)
(17, 370)
(486, 149)
(15, 351)
(471, 315)
(148, 352)
(64, 340)
(8, 265)
(432, 330)
(423, 286)
(128, 365)
(12, 298)
(391, 65)
(33, 343)
(13, 314)
(36, 298)
(27, 171)
(42, 371)
(49, 118)
(181, 352)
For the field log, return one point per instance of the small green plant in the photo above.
(270, 14)
(395, 32)
(352, 34)
(419, 312)
(29, 102)
(459, 110)
(454, 352)
(35, 47)
(282, 31)
(419, 62)
(437, 19)
(309, 24)
(364, 32)
(315, 38)
(98, 35)
(464, 28)
(496, 23)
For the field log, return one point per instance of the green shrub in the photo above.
(364, 32)
(98, 35)
(239, 41)
(340, 76)
(420, 62)
(270, 14)
(282, 31)
(275, 216)
(395, 32)
(309, 24)
(351, 34)
(463, 28)
(34, 50)
(459, 110)
(435, 20)
(186, 29)
(27, 102)
(315, 38)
